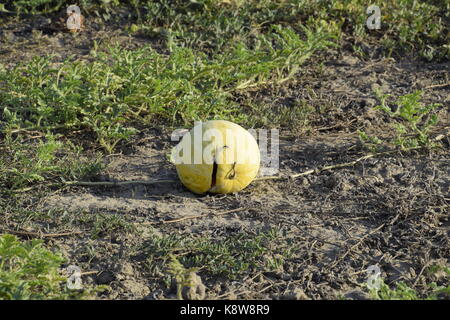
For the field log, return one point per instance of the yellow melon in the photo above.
(216, 156)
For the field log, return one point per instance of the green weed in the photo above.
(417, 120)
(30, 271)
(403, 291)
(47, 160)
(230, 257)
(108, 224)
(211, 25)
(121, 86)
(413, 122)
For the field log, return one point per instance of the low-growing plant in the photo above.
(110, 224)
(230, 257)
(121, 86)
(207, 25)
(417, 119)
(213, 25)
(413, 122)
(47, 160)
(29, 271)
(403, 291)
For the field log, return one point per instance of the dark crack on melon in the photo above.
(214, 174)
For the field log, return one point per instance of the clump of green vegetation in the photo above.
(413, 122)
(47, 160)
(211, 25)
(49, 6)
(30, 271)
(405, 25)
(121, 86)
(230, 257)
(403, 291)
(414, 114)
(108, 224)
(30, 6)
(372, 143)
